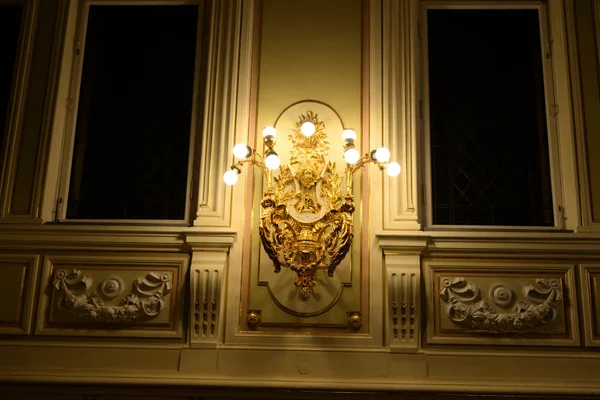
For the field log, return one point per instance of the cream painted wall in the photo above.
(310, 49)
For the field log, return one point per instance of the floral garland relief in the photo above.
(465, 306)
(146, 301)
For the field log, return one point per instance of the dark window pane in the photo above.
(489, 139)
(133, 125)
(10, 23)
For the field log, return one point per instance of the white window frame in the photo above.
(81, 9)
(551, 109)
(16, 111)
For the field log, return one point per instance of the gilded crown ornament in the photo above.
(306, 222)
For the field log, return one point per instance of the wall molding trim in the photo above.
(497, 244)
(427, 371)
(398, 34)
(226, 115)
(69, 237)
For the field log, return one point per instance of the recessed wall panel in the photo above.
(590, 287)
(508, 302)
(113, 295)
(18, 272)
(324, 53)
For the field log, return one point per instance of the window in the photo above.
(10, 24)
(134, 120)
(486, 115)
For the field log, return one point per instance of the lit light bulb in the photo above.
(240, 150)
(382, 155)
(349, 135)
(351, 156)
(269, 133)
(393, 169)
(230, 177)
(308, 128)
(272, 160)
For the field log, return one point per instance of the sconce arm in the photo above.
(352, 168)
(256, 159)
(364, 160)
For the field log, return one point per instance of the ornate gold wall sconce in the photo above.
(306, 223)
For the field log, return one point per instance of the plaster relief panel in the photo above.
(590, 286)
(17, 280)
(508, 302)
(118, 295)
(207, 281)
(403, 275)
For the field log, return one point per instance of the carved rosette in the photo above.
(306, 223)
(146, 301)
(111, 287)
(465, 307)
(501, 294)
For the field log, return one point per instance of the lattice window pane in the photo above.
(133, 125)
(488, 130)
(10, 23)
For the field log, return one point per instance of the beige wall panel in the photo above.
(331, 298)
(70, 358)
(19, 273)
(46, 396)
(493, 367)
(589, 275)
(113, 295)
(309, 50)
(512, 302)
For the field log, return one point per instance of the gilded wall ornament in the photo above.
(465, 306)
(354, 321)
(253, 319)
(306, 223)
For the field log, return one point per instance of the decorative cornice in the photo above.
(212, 240)
(499, 244)
(43, 238)
(407, 245)
(112, 238)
